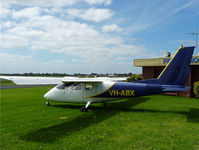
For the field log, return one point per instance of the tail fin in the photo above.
(177, 70)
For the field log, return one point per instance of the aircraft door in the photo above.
(89, 89)
(73, 92)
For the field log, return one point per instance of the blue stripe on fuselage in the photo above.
(125, 89)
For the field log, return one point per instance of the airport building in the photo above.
(151, 68)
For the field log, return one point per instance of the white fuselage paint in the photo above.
(68, 94)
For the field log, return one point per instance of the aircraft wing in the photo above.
(22, 80)
(99, 79)
(114, 79)
(66, 80)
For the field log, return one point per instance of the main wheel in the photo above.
(47, 103)
(84, 109)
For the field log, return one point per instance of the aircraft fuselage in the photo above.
(99, 92)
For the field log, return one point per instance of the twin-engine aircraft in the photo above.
(92, 90)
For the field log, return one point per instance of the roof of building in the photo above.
(160, 61)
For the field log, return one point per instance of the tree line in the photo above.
(65, 74)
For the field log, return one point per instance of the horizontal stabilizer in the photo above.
(176, 89)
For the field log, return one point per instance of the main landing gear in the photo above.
(85, 108)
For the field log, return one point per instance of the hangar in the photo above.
(151, 68)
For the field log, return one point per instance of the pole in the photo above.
(195, 34)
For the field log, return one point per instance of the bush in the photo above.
(134, 77)
(196, 89)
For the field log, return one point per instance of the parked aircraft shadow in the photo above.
(192, 115)
(97, 115)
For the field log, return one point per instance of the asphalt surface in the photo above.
(23, 86)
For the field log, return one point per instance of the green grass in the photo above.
(150, 122)
(6, 82)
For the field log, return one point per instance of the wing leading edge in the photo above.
(22, 80)
(100, 79)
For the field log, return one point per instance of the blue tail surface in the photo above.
(177, 70)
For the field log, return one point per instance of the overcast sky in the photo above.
(84, 36)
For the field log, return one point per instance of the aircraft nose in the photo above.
(48, 95)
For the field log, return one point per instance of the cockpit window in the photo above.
(70, 86)
(89, 86)
(76, 86)
(61, 86)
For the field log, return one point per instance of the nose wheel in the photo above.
(85, 109)
(47, 103)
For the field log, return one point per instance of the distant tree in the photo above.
(134, 77)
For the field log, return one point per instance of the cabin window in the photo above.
(89, 86)
(70, 86)
(76, 86)
(65, 86)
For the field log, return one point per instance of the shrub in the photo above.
(196, 89)
(134, 77)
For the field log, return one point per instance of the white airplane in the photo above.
(68, 89)
(90, 90)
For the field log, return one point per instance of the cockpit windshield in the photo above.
(61, 86)
(70, 86)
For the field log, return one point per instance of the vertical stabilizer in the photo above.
(177, 70)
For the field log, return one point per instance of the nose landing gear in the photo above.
(47, 103)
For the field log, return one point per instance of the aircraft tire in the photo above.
(47, 103)
(84, 109)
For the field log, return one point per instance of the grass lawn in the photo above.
(6, 82)
(151, 122)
